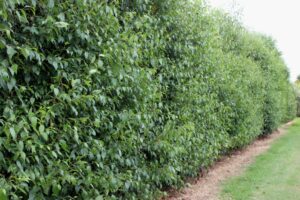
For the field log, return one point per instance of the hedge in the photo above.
(122, 99)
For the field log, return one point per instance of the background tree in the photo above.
(297, 88)
(298, 80)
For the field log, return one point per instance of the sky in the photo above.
(279, 19)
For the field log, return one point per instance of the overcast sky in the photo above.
(279, 18)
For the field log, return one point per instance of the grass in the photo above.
(275, 175)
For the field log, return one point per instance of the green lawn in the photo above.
(275, 175)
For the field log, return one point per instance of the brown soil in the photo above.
(207, 187)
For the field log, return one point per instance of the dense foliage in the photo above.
(113, 99)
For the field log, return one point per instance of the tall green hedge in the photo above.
(121, 99)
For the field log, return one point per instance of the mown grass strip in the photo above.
(274, 175)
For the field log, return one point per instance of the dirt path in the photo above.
(208, 186)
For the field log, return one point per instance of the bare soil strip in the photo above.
(207, 187)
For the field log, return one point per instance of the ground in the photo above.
(275, 175)
(241, 175)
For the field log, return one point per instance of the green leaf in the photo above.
(43, 132)
(56, 91)
(54, 154)
(61, 24)
(76, 137)
(10, 51)
(45, 135)
(93, 71)
(3, 195)
(99, 198)
(14, 69)
(50, 3)
(33, 121)
(21, 145)
(11, 84)
(13, 133)
(33, 2)
(2, 44)
(22, 17)
(56, 188)
(61, 16)
(25, 52)
(3, 27)
(41, 128)
(127, 185)
(97, 123)
(74, 110)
